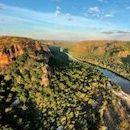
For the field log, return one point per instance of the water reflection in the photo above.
(123, 83)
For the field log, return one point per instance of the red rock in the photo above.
(4, 60)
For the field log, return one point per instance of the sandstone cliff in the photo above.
(11, 48)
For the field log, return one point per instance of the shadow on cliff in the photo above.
(126, 59)
(59, 56)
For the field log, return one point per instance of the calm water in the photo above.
(123, 83)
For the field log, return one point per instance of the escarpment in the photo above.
(13, 47)
(42, 88)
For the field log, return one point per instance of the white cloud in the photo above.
(57, 13)
(94, 11)
(20, 21)
(36, 17)
(108, 15)
(67, 16)
(100, 12)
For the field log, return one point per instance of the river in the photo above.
(120, 81)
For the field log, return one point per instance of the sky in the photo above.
(66, 19)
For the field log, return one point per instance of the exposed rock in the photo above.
(4, 60)
(13, 47)
(45, 81)
(45, 76)
(123, 54)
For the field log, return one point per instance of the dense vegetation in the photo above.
(75, 99)
(81, 96)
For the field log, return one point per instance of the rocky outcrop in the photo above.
(123, 54)
(12, 52)
(4, 60)
(13, 47)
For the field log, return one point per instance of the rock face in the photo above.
(123, 54)
(13, 47)
(11, 53)
(10, 49)
(4, 60)
(46, 75)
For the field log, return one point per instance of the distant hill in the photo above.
(101, 48)
(114, 55)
